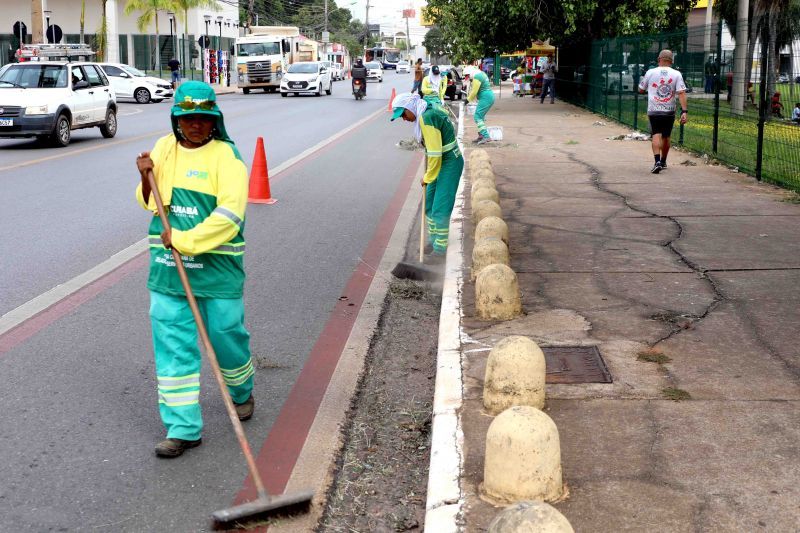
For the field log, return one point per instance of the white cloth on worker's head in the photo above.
(436, 80)
(416, 105)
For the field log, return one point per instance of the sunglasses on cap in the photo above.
(206, 105)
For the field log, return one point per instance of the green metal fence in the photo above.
(732, 112)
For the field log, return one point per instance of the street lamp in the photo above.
(207, 19)
(219, 23)
(171, 17)
(47, 14)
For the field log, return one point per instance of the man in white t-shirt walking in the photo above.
(662, 84)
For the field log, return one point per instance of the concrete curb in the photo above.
(445, 498)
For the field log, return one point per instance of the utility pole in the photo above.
(707, 36)
(326, 15)
(740, 69)
(366, 24)
(408, 42)
(37, 22)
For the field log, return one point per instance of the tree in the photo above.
(476, 28)
(102, 33)
(149, 11)
(435, 42)
(182, 8)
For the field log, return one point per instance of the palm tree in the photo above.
(149, 11)
(182, 7)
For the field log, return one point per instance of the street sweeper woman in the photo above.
(481, 92)
(204, 185)
(433, 128)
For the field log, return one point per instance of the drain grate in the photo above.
(575, 364)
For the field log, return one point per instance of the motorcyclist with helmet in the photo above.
(359, 72)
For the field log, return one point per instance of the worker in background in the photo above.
(481, 92)
(433, 128)
(434, 86)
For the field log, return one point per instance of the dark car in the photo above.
(454, 83)
(505, 73)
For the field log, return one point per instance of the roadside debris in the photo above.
(635, 136)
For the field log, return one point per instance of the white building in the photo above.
(126, 43)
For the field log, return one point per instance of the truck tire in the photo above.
(61, 132)
(246, 90)
(284, 94)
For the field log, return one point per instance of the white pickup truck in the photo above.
(49, 99)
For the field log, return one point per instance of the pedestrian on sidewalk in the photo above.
(796, 113)
(480, 92)
(204, 185)
(433, 128)
(434, 86)
(418, 73)
(548, 69)
(662, 84)
(175, 66)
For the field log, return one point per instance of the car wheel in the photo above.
(141, 95)
(158, 101)
(380, 80)
(284, 94)
(61, 133)
(109, 129)
(329, 90)
(246, 91)
(319, 90)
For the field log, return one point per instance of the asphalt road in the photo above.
(79, 413)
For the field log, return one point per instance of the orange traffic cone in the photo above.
(259, 177)
(391, 99)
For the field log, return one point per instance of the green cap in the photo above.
(398, 112)
(198, 92)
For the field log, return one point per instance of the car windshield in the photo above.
(35, 76)
(373, 64)
(259, 49)
(402, 63)
(133, 71)
(303, 68)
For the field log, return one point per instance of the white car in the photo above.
(131, 83)
(374, 71)
(403, 66)
(306, 77)
(337, 71)
(48, 99)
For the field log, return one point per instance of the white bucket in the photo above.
(495, 133)
(471, 109)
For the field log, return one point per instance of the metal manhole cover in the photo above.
(575, 364)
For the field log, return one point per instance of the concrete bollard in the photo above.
(482, 165)
(483, 173)
(487, 252)
(530, 517)
(523, 457)
(479, 154)
(497, 294)
(482, 183)
(491, 227)
(485, 193)
(485, 208)
(515, 373)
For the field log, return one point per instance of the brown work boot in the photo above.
(245, 410)
(170, 448)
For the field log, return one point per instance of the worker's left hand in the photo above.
(422, 182)
(166, 239)
(684, 118)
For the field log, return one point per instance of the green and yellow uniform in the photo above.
(428, 90)
(481, 90)
(444, 167)
(204, 191)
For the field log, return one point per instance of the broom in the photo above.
(265, 505)
(417, 272)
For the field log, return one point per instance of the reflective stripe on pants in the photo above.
(177, 357)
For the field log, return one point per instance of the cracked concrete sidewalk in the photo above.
(700, 264)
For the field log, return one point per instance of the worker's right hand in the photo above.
(144, 163)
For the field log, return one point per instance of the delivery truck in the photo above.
(265, 52)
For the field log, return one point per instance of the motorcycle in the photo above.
(359, 89)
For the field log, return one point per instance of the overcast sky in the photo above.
(389, 13)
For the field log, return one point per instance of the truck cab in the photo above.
(263, 55)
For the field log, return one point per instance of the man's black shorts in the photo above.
(661, 124)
